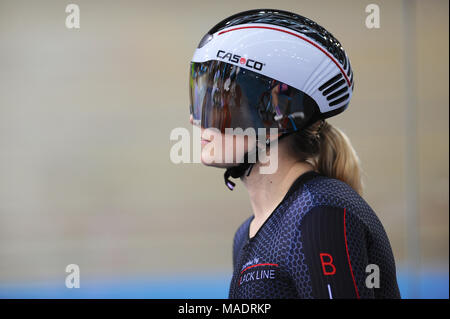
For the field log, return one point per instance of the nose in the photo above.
(191, 120)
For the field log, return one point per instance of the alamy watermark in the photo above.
(73, 17)
(373, 17)
(73, 278)
(228, 148)
(373, 279)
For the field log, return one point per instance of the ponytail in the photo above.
(337, 157)
(330, 152)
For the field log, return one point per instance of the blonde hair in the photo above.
(330, 152)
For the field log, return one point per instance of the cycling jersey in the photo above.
(322, 241)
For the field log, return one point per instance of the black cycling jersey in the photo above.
(322, 241)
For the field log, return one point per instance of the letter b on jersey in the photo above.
(327, 264)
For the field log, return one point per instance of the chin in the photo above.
(216, 164)
(213, 162)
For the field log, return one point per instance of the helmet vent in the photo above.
(334, 91)
(339, 100)
(330, 82)
(288, 20)
(337, 93)
(334, 87)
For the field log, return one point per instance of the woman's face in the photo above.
(223, 150)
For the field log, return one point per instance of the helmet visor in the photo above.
(223, 96)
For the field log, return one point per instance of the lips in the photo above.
(207, 135)
(204, 142)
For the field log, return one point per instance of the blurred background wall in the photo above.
(85, 118)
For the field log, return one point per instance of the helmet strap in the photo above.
(239, 170)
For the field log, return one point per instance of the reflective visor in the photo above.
(223, 95)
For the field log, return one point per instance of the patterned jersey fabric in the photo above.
(322, 241)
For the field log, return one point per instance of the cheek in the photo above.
(235, 147)
(226, 149)
(212, 152)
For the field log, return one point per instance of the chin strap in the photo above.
(236, 172)
(239, 170)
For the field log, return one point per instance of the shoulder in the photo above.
(323, 194)
(333, 192)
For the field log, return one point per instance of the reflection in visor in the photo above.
(224, 96)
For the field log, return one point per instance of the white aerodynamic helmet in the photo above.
(268, 68)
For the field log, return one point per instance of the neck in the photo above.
(266, 191)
